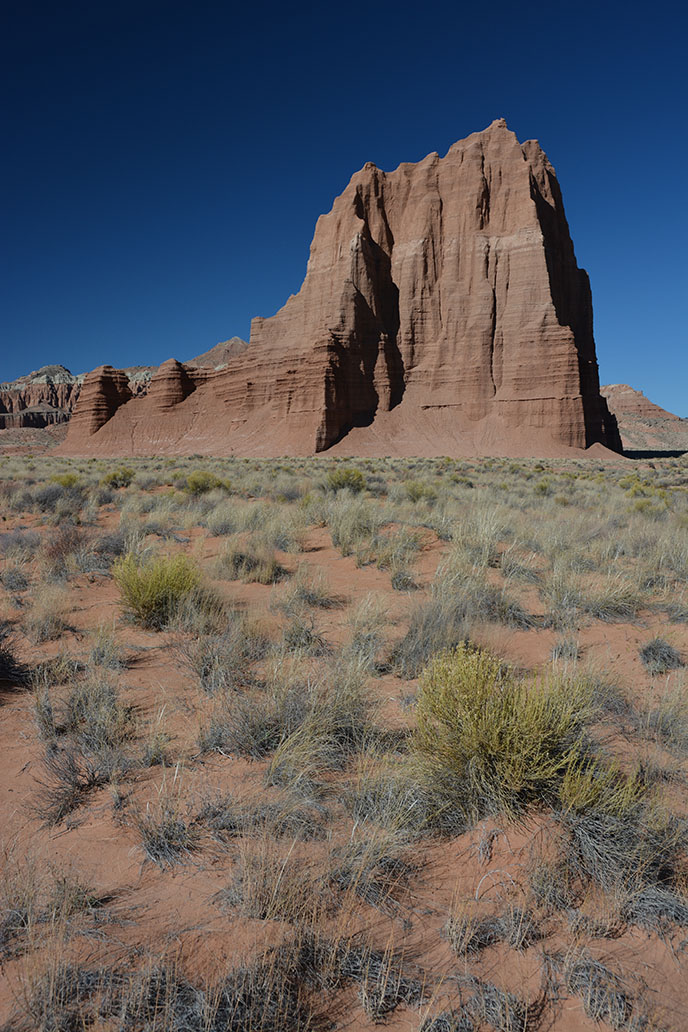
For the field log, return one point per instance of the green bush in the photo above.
(491, 743)
(66, 480)
(153, 592)
(351, 479)
(201, 481)
(120, 477)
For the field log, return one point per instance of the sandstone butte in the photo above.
(442, 313)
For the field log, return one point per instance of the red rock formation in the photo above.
(625, 400)
(102, 393)
(442, 313)
(39, 399)
(643, 425)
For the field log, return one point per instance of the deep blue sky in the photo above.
(165, 162)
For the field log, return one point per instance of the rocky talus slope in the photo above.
(643, 425)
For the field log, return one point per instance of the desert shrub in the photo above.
(659, 656)
(492, 743)
(153, 590)
(66, 480)
(120, 477)
(347, 478)
(200, 482)
(416, 491)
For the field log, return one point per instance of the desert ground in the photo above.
(315, 743)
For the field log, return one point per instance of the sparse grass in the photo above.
(153, 590)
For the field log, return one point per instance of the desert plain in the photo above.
(322, 743)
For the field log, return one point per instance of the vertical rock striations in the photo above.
(442, 312)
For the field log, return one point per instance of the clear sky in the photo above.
(165, 162)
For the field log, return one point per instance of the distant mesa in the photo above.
(442, 312)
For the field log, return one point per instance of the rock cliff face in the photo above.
(443, 312)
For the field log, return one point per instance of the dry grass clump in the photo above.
(13, 577)
(469, 933)
(70, 775)
(367, 621)
(47, 618)
(12, 670)
(659, 656)
(374, 869)
(272, 885)
(308, 589)
(254, 562)
(605, 996)
(105, 649)
(458, 600)
(352, 522)
(332, 718)
(221, 661)
(669, 719)
(616, 599)
(153, 590)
